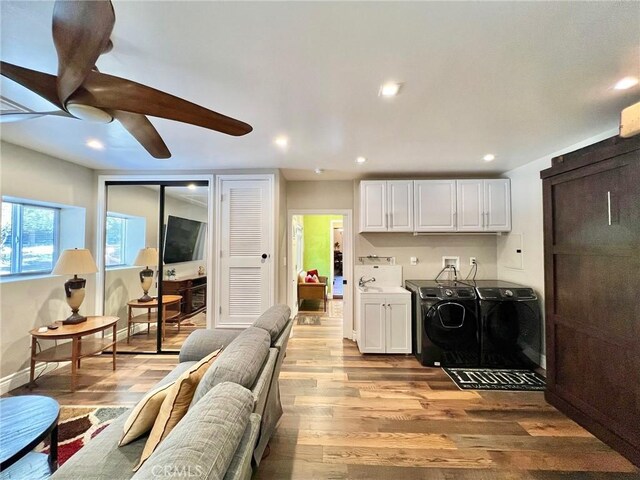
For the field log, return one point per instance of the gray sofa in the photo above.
(234, 412)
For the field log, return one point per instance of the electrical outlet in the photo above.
(472, 261)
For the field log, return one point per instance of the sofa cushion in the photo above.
(176, 404)
(273, 320)
(240, 362)
(144, 414)
(203, 444)
(102, 458)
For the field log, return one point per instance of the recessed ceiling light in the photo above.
(489, 157)
(625, 83)
(361, 160)
(390, 89)
(95, 144)
(191, 186)
(318, 171)
(281, 141)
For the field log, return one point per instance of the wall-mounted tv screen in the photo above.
(184, 240)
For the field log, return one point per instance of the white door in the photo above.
(245, 240)
(372, 322)
(470, 205)
(373, 206)
(398, 325)
(497, 205)
(400, 205)
(435, 205)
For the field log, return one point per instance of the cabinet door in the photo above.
(398, 325)
(400, 205)
(435, 205)
(497, 205)
(470, 205)
(373, 206)
(372, 322)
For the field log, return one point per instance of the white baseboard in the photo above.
(21, 377)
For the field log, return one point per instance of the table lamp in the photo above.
(146, 256)
(73, 262)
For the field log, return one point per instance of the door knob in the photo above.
(264, 256)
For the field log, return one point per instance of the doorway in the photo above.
(154, 261)
(319, 265)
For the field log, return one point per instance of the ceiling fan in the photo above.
(81, 33)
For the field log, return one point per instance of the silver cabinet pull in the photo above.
(609, 206)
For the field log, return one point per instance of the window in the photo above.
(115, 251)
(29, 236)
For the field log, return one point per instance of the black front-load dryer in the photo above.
(510, 325)
(444, 323)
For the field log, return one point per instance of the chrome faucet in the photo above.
(362, 282)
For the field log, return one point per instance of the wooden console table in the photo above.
(152, 317)
(193, 291)
(77, 348)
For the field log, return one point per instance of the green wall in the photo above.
(317, 239)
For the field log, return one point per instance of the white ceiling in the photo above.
(518, 79)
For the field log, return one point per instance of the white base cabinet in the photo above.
(385, 323)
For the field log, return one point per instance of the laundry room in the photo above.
(457, 246)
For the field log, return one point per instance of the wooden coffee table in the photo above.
(76, 348)
(24, 422)
(152, 317)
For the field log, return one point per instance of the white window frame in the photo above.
(17, 244)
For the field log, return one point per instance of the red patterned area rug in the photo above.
(78, 425)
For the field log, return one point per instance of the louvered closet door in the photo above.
(245, 238)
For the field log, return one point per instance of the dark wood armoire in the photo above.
(592, 283)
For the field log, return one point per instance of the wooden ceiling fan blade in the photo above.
(81, 32)
(114, 93)
(143, 130)
(20, 116)
(40, 83)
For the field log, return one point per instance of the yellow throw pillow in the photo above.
(144, 414)
(176, 404)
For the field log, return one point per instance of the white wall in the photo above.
(27, 304)
(526, 202)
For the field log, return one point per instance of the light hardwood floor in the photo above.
(349, 416)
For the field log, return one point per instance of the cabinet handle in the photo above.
(609, 206)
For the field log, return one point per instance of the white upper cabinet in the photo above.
(497, 204)
(373, 206)
(386, 206)
(484, 205)
(470, 205)
(400, 205)
(435, 205)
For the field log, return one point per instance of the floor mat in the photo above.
(496, 379)
(77, 426)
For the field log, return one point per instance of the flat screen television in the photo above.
(184, 240)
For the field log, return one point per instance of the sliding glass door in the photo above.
(155, 258)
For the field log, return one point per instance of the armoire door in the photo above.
(592, 274)
(246, 250)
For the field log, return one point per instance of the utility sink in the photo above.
(382, 290)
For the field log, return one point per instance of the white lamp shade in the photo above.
(146, 256)
(75, 261)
